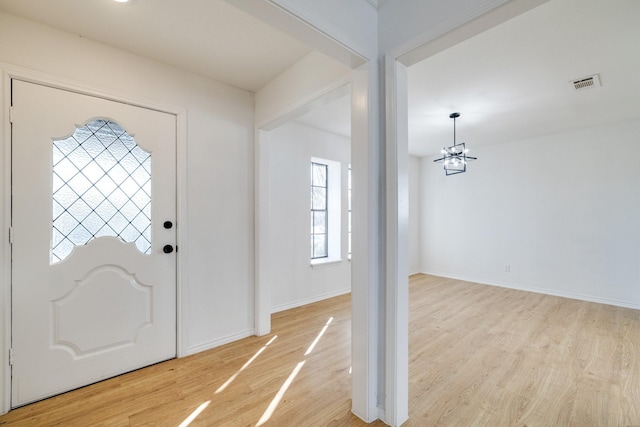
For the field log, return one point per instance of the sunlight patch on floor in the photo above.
(194, 414)
(245, 366)
(276, 400)
(313, 344)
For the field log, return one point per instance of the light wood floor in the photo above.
(479, 356)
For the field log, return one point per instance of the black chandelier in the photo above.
(454, 157)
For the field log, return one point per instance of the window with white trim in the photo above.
(325, 211)
(319, 210)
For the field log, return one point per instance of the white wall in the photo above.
(293, 281)
(220, 164)
(415, 257)
(563, 211)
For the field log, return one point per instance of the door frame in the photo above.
(9, 72)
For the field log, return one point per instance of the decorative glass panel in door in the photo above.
(101, 187)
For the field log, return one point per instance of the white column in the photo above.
(262, 235)
(396, 362)
(366, 321)
(5, 248)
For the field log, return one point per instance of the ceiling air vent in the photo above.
(586, 82)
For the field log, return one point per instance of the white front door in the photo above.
(93, 228)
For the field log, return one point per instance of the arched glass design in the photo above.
(101, 187)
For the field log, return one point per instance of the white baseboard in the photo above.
(305, 301)
(193, 349)
(217, 343)
(382, 416)
(539, 290)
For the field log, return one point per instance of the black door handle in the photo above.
(167, 249)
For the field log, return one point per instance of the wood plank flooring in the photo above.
(479, 356)
(488, 356)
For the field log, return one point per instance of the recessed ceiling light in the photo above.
(121, 1)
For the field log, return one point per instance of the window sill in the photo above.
(321, 263)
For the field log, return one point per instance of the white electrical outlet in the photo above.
(507, 268)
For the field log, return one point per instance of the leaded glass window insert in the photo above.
(319, 211)
(101, 187)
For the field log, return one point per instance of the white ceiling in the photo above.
(211, 38)
(512, 82)
(509, 83)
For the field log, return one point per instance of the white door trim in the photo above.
(9, 72)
